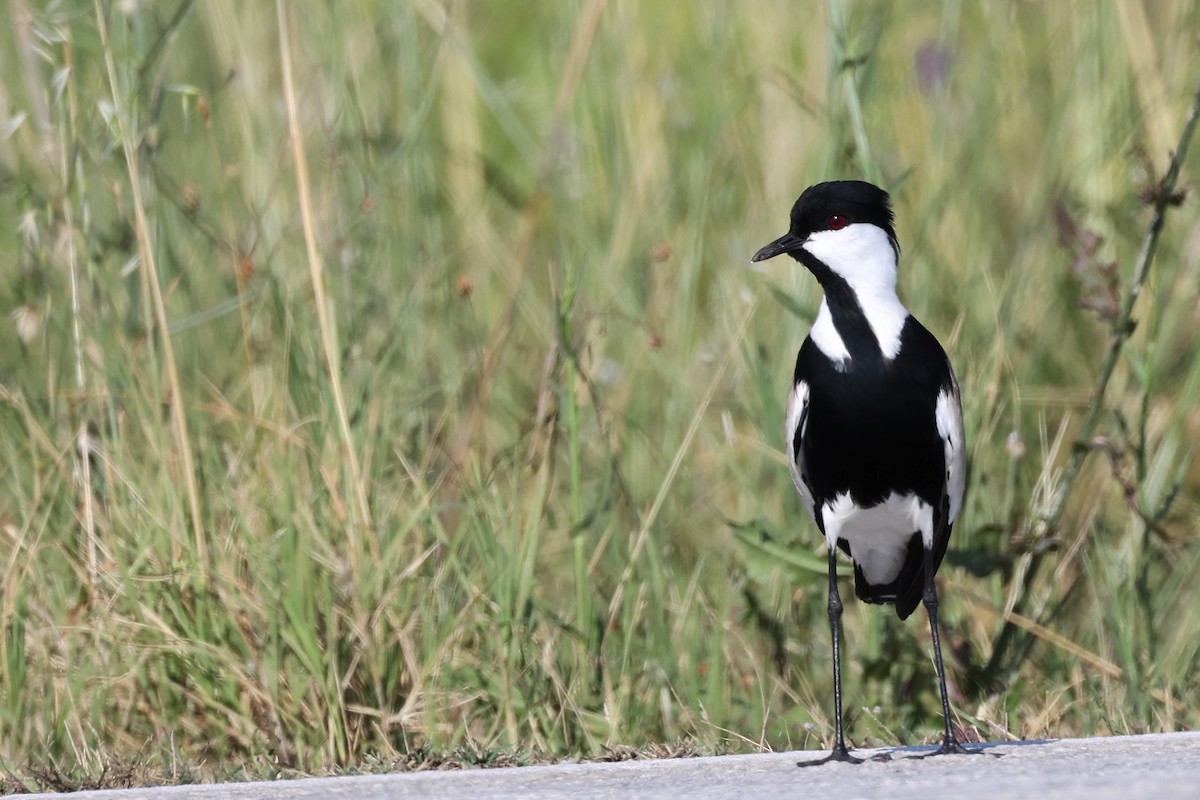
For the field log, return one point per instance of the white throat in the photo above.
(863, 256)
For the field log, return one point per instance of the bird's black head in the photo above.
(833, 206)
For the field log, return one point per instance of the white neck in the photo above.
(826, 337)
(864, 257)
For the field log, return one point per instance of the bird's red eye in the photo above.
(836, 222)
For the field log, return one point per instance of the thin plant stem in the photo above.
(639, 540)
(844, 67)
(572, 74)
(583, 604)
(149, 270)
(1047, 527)
(320, 299)
(80, 452)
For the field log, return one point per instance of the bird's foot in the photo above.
(951, 746)
(841, 754)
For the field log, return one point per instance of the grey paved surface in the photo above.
(1161, 767)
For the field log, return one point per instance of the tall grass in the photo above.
(391, 377)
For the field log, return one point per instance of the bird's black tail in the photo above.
(911, 582)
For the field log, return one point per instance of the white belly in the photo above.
(878, 536)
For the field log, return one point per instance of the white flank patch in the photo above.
(863, 255)
(948, 415)
(796, 404)
(878, 536)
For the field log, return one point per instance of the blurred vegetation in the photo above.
(463, 429)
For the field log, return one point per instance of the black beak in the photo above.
(784, 244)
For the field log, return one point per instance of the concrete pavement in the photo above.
(1157, 767)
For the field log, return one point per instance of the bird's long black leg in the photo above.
(840, 753)
(835, 626)
(950, 743)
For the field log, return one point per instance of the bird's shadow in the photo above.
(923, 752)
